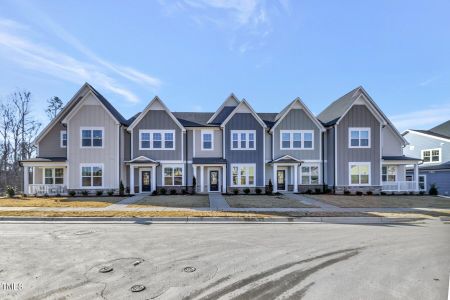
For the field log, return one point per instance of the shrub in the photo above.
(317, 191)
(154, 193)
(194, 185)
(359, 193)
(247, 191)
(327, 190)
(258, 191)
(110, 193)
(10, 191)
(99, 192)
(346, 192)
(84, 193)
(58, 195)
(46, 195)
(162, 191)
(173, 192)
(184, 192)
(235, 191)
(421, 192)
(269, 189)
(121, 189)
(308, 191)
(433, 190)
(383, 193)
(370, 193)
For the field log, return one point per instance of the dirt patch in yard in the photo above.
(183, 201)
(263, 201)
(384, 201)
(59, 201)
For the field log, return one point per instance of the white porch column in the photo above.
(34, 175)
(131, 179)
(295, 178)
(26, 174)
(194, 172)
(416, 177)
(202, 188)
(275, 185)
(224, 178)
(153, 178)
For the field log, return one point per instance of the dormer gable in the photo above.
(244, 107)
(224, 110)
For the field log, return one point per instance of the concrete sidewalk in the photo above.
(218, 202)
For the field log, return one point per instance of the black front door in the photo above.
(145, 180)
(281, 182)
(213, 181)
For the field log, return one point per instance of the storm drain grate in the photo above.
(137, 288)
(105, 269)
(189, 269)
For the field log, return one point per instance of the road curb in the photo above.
(218, 220)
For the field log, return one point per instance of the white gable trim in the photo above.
(80, 104)
(288, 157)
(426, 135)
(297, 104)
(250, 109)
(232, 96)
(363, 100)
(159, 106)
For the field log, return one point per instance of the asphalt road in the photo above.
(210, 261)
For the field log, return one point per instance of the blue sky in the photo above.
(194, 53)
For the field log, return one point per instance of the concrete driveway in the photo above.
(211, 261)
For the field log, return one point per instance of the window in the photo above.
(359, 173)
(92, 138)
(431, 155)
(92, 175)
(53, 176)
(156, 139)
(389, 173)
(207, 140)
(297, 139)
(243, 140)
(310, 175)
(243, 175)
(173, 175)
(422, 182)
(63, 138)
(359, 137)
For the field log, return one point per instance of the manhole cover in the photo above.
(137, 288)
(105, 269)
(189, 269)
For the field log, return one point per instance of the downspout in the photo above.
(323, 160)
(186, 160)
(334, 159)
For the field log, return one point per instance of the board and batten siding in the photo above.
(245, 121)
(329, 156)
(391, 146)
(297, 119)
(358, 116)
(218, 143)
(50, 144)
(93, 116)
(153, 120)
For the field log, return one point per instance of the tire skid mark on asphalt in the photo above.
(300, 293)
(250, 279)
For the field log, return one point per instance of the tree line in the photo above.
(18, 129)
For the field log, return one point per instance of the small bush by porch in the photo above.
(59, 201)
(182, 201)
(263, 201)
(384, 201)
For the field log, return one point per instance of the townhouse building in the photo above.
(90, 146)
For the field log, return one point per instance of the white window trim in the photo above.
(424, 182)
(291, 139)
(350, 164)
(239, 132)
(431, 156)
(350, 129)
(239, 166)
(172, 166)
(92, 165)
(212, 139)
(162, 132)
(92, 137)
(61, 133)
(53, 176)
(309, 174)
(396, 173)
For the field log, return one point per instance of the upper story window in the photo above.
(297, 139)
(156, 139)
(359, 137)
(92, 137)
(207, 140)
(63, 138)
(243, 139)
(431, 155)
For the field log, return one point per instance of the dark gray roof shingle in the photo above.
(432, 133)
(209, 160)
(109, 106)
(223, 114)
(194, 119)
(401, 157)
(330, 115)
(442, 129)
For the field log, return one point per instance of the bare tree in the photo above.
(55, 105)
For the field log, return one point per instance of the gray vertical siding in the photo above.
(420, 142)
(297, 119)
(358, 116)
(157, 119)
(189, 144)
(218, 143)
(245, 121)
(329, 154)
(391, 145)
(50, 145)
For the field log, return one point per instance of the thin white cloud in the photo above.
(428, 81)
(422, 119)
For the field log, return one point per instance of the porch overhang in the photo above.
(142, 160)
(44, 162)
(400, 160)
(212, 161)
(286, 160)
